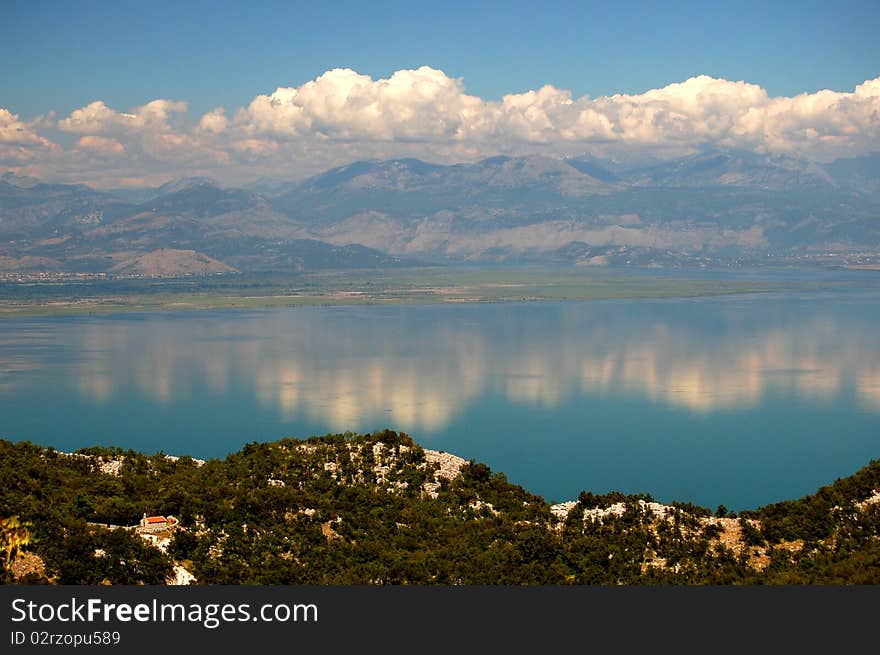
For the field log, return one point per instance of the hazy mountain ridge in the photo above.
(734, 168)
(76, 228)
(718, 204)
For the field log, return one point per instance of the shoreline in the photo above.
(378, 287)
(105, 306)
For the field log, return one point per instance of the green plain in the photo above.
(361, 287)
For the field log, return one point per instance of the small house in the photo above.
(153, 524)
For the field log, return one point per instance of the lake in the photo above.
(741, 400)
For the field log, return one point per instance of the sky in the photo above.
(282, 89)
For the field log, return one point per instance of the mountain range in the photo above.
(717, 205)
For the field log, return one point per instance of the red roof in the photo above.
(156, 519)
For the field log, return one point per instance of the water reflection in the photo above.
(703, 372)
(418, 368)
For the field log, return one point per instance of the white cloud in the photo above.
(100, 145)
(214, 122)
(19, 141)
(94, 118)
(425, 105)
(154, 130)
(343, 115)
(98, 118)
(150, 137)
(255, 147)
(420, 105)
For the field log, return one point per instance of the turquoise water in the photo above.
(741, 400)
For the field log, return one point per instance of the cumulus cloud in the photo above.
(214, 122)
(98, 118)
(343, 115)
(94, 118)
(101, 145)
(425, 105)
(154, 130)
(421, 105)
(150, 141)
(19, 141)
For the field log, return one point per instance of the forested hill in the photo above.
(379, 509)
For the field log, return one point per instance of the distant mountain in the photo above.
(21, 181)
(201, 199)
(734, 168)
(716, 203)
(415, 176)
(619, 164)
(860, 174)
(189, 227)
(52, 210)
(260, 255)
(500, 189)
(184, 183)
(394, 174)
(714, 206)
(270, 188)
(594, 168)
(133, 196)
(138, 195)
(167, 262)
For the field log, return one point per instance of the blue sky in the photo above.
(61, 55)
(134, 93)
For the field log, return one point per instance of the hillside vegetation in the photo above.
(379, 509)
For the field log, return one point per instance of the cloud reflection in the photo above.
(417, 369)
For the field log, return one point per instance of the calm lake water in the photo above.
(741, 400)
